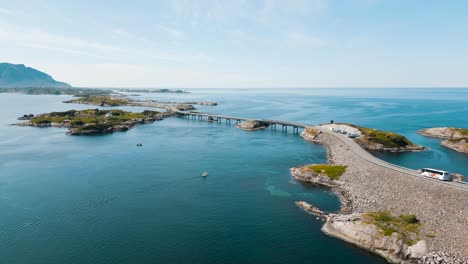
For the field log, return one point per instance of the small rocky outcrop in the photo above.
(311, 134)
(395, 238)
(460, 145)
(26, 117)
(207, 103)
(312, 210)
(443, 132)
(354, 229)
(306, 174)
(454, 138)
(252, 125)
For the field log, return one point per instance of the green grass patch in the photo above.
(462, 131)
(332, 171)
(406, 226)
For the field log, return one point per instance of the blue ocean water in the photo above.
(101, 199)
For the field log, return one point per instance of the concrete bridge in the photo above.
(219, 118)
(355, 148)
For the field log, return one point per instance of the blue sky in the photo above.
(244, 43)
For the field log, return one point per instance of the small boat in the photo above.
(139, 145)
(204, 174)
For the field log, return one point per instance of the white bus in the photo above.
(435, 174)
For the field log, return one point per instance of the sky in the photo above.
(240, 43)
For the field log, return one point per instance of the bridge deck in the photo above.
(267, 121)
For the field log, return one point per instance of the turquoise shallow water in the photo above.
(101, 199)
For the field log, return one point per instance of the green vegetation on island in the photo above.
(462, 131)
(99, 101)
(387, 139)
(94, 121)
(331, 171)
(373, 139)
(406, 226)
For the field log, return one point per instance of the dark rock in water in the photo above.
(252, 125)
(26, 117)
(208, 103)
(184, 107)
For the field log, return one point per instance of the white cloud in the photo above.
(39, 39)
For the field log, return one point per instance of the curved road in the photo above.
(354, 147)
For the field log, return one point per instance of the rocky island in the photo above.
(402, 218)
(376, 140)
(454, 138)
(94, 121)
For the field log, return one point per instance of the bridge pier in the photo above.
(296, 130)
(273, 126)
(284, 128)
(238, 121)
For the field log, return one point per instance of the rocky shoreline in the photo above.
(365, 187)
(454, 138)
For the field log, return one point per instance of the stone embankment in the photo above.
(368, 187)
(454, 138)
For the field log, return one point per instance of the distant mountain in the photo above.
(18, 75)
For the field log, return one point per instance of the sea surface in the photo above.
(101, 199)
